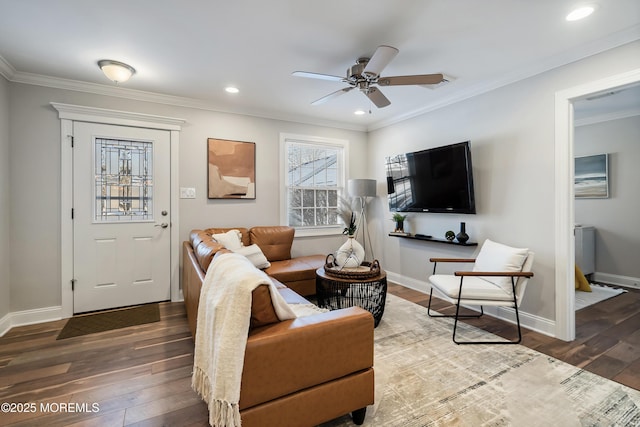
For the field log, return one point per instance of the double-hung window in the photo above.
(313, 176)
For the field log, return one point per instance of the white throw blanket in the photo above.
(224, 315)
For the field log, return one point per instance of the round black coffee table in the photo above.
(337, 292)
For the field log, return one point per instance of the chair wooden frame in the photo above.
(459, 301)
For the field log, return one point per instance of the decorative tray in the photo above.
(363, 271)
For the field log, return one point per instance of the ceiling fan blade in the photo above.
(380, 59)
(317, 76)
(377, 97)
(420, 79)
(332, 95)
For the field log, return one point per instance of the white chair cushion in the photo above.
(498, 257)
(473, 288)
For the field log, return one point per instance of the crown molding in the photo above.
(617, 115)
(617, 39)
(158, 98)
(6, 69)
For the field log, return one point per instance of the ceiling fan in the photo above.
(365, 75)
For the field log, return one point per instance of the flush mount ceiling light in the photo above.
(359, 112)
(116, 71)
(580, 12)
(232, 89)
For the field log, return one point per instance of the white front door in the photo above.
(121, 217)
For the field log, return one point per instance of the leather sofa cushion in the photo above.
(204, 248)
(295, 269)
(197, 236)
(274, 367)
(275, 241)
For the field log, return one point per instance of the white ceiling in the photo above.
(189, 50)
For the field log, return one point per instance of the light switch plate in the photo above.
(187, 193)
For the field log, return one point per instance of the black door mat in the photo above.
(105, 321)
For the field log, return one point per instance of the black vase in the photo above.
(462, 236)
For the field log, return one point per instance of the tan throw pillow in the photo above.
(255, 255)
(231, 240)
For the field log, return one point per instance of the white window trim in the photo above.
(343, 144)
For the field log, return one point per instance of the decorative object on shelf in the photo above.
(399, 233)
(399, 219)
(362, 189)
(462, 236)
(450, 235)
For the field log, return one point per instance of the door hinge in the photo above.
(72, 213)
(71, 137)
(73, 285)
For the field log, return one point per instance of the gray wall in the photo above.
(512, 138)
(512, 134)
(4, 198)
(35, 197)
(615, 218)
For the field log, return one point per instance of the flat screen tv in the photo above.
(434, 180)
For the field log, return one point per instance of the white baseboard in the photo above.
(529, 321)
(29, 317)
(615, 279)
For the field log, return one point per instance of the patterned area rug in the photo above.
(424, 379)
(85, 324)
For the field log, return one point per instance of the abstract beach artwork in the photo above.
(231, 169)
(592, 176)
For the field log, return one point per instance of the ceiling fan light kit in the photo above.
(116, 71)
(365, 76)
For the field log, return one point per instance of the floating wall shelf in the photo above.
(433, 239)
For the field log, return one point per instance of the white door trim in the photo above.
(70, 113)
(564, 212)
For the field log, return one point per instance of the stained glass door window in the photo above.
(123, 180)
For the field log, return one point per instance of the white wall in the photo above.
(4, 200)
(35, 160)
(615, 218)
(512, 141)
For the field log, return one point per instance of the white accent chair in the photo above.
(498, 278)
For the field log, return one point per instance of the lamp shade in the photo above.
(116, 71)
(361, 187)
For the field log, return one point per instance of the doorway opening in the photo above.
(564, 177)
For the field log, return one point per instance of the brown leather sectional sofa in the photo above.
(299, 372)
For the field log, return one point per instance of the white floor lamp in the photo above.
(362, 189)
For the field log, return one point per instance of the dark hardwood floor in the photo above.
(141, 375)
(607, 335)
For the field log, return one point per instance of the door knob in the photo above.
(163, 225)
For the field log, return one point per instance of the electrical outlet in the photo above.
(187, 193)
